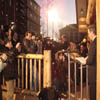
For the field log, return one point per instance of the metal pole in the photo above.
(69, 75)
(81, 82)
(75, 78)
(87, 81)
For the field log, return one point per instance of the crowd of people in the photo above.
(11, 44)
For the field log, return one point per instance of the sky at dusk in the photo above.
(66, 10)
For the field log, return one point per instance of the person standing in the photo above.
(11, 71)
(91, 62)
(27, 42)
(64, 43)
(60, 72)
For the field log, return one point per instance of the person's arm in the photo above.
(18, 47)
(3, 57)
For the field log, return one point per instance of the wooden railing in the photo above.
(34, 71)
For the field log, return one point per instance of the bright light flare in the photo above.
(53, 15)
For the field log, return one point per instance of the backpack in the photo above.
(49, 93)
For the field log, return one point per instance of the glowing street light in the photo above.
(53, 19)
(53, 15)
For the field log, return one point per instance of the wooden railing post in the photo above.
(47, 69)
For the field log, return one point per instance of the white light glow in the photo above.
(53, 15)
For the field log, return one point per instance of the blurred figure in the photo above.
(11, 70)
(92, 62)
(88, 45)
(1, 37)
(73, 47)
(15, 39)
(47, 44)
(64, 43)
(27, 42)
(39, 46)
(33, 44)
(60, 72)
(83, 50)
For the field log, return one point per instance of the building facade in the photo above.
(81, 12)
(71, 31)
(25, 14)
(33, 16)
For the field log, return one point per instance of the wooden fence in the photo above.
(34, 71)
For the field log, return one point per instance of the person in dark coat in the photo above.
(11, 71)
(83, 50)
(27, 43)
(60, 73)
(64, 43)
(15, 39)
(91, 62)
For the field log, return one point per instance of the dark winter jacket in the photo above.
(11, 70)
(91, 62)
(61, 71)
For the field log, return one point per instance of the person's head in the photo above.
(61, 56)
(39, 41)
(28, 35)
(48, 41)
(82, 47)
(33, 37)
(63, 38)
(8, 43)
(73, 45)
(91, 31)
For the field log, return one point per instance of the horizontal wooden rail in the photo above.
(31, 56)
